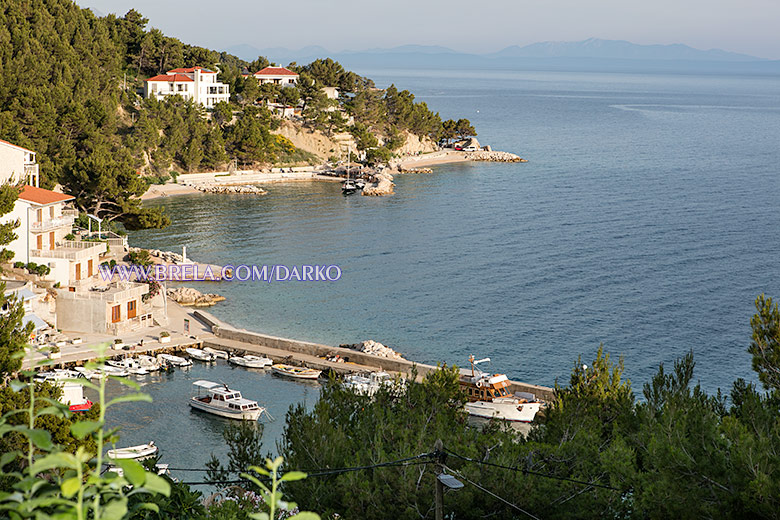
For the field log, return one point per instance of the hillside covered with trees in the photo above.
(69, 90)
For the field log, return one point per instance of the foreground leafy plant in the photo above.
(58, 484)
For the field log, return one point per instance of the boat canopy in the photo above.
(207, 384)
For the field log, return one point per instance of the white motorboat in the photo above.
(250, 361)
(142, 451)
(109, 370)
(175, 360)
(58, 374)
(218, 399)
(489, 397)
(88, 374)
(221, 354)
(200, 355)
(129, 364)
(371, 383)
(294, 372)
(149, 363)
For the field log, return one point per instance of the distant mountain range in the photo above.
(590, 54)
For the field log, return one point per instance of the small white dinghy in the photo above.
(175, 360)
(250, 361)
(221, 354)
(200, 355)
(142, 451)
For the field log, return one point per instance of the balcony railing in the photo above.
(71, 250)
(69, 212)
(53, 223)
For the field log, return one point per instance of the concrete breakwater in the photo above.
(312, 354)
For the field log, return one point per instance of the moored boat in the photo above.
(108, 370)
(200, 355)
(295, 372)
(371, 383)
(174, 360)
(59, 374)
(221, 354)
(87, 373)
(131, 365)
(218, 399)
(250, 361)
(489, 397)
(149, 363)
(142, 451)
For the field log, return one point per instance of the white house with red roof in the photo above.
(195, 83)
(45, 221)
(277, 75)
(17, 164)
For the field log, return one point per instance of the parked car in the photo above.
(470, 149)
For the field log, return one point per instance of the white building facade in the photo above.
(44, 223)
(277, 75)
(17, 164)
(195, 83)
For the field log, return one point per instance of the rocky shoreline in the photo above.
(491, 156)
(227, 189)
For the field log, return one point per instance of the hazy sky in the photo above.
(747, 26)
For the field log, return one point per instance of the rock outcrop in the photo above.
(374, 348)
(167, 257)
(189, 296)
(381, 184)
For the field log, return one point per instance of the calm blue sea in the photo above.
(646, 219)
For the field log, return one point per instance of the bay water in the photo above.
(646, 219)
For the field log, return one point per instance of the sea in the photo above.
(645, 220)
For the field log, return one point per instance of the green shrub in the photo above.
(70, 236)
(19, 265)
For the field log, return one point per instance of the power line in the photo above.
(410, 461)
(529, 472)
(505, 501)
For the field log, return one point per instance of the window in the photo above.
(78, 271)
(116, 313)
(131, 308)
(51, 211)
(89, 269)
(40, 216)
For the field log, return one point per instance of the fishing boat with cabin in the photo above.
(489, 397)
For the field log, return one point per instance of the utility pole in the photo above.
(438, 449)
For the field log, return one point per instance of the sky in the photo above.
(745, 26)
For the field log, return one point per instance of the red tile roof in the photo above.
(41, 196)
(275, 71)
(191, 70)
(16, 146)
(170, 77)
